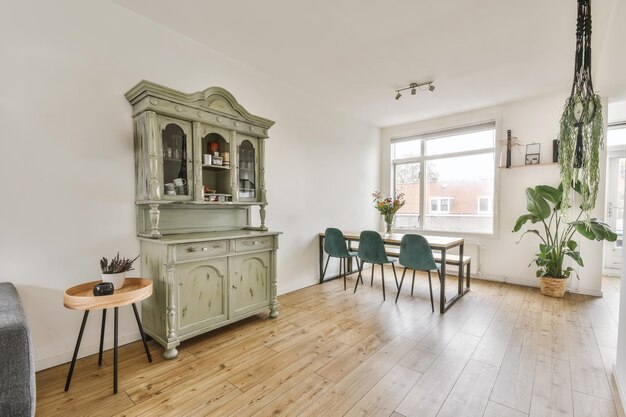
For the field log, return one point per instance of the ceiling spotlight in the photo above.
(429, 86)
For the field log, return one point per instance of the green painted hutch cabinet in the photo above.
(199, 162)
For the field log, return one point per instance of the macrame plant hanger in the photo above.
(582, 131)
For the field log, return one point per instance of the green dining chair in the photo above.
(416, 254)
(335, 247)
(372, 250)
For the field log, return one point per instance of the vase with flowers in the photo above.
(388, 207)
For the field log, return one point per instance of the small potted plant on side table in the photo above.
(544, 207)
(115, 271)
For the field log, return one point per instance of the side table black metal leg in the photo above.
(143, 335)
(80, 336)
(104, 320)
(115, 352)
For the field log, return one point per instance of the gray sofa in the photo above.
(17, 366)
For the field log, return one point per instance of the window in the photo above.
(448, 179)
(440, 205)
(483, 205)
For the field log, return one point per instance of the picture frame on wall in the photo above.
(533, 154)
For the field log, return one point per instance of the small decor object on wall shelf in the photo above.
(533, 154)
(509, 142)
(115, 271)
(388, 207)
(555, 150)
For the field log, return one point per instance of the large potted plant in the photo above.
(556, 233)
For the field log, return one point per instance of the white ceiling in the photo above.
(352, 54)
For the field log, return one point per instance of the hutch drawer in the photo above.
(250, 244)
(200, 250)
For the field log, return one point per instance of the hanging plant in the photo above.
(582, 129)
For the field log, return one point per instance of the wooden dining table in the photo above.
(442, 244)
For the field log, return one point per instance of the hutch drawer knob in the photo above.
(205, 249)
(234, 287)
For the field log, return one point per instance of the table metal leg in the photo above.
(321, 252)
(442, 285)
(80, 336)
(104, 320)
(143, 335)
(115, 352)
(446, 304)
(461, 269)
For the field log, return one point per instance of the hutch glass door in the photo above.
(247, 170)
(175, 162)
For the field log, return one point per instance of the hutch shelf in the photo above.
(209, 265)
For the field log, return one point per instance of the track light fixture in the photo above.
(429, 86)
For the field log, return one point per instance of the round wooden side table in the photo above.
(80, 297)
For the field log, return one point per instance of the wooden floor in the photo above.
(501, 351)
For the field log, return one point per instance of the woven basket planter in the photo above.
(552, 287)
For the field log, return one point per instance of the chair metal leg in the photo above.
(357, 265)
(394, 274)
(430, 285)
(80, 336)
(372, 280)
(324, 273)
(382, 272)
(360, 271)
(115, 351)
(345, 273)
(143, 335)
(413, 283)
(104, 320)
(400, 286)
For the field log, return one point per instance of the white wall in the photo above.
(67, 154)
(531, 121)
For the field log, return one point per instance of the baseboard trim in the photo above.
(535, 283)
(85, 350)
(620, 391)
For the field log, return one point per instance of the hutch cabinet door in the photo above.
(248, 159)
(249, 282)
(201, 300)
(175, 147)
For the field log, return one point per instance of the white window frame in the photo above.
(436, 129)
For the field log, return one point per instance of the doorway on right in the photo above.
(616, 183)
